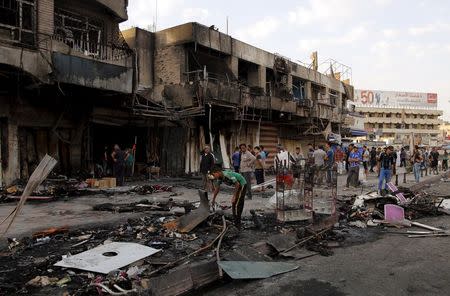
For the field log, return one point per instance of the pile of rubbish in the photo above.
(163, 253)
(179, 247)
(397, 209)
(62, 187)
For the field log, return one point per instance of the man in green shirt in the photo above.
(240, 187)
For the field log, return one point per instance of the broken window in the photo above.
(18, 21)
(298, 89)
(79, 32)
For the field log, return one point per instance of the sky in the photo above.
(401, 45)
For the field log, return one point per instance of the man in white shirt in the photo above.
(281, 161)
(319, 163)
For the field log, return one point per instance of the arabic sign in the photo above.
(394, 99)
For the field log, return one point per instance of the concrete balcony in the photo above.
(409, 131)
(400, 121)
(92, 65)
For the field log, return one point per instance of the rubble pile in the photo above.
(40, 259)
(396, 209)
(182, 246)
(61, 187)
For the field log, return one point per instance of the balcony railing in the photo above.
(94, 49)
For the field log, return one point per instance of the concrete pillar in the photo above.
(233, 64)
(258, 77)
(262, 77)
(308, 90)
(327, 93)
(12, 171)
(289, 81)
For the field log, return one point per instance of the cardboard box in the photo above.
(101, 183)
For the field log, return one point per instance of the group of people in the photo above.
(423, 159)
(322, 160)
(386, 160)
(120, 161)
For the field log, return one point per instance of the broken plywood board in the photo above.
(189, 221)
(255, 269)
(105, 258)
(39, 175)
(184, 279)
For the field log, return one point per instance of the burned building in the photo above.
(62, 64)
(208, 87)
(72, 85)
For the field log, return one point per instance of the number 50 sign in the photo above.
(366, 97)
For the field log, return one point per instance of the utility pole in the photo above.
(227, 24)
(156, 14)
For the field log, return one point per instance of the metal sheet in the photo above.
(189, 221)
(281, 242)
(105, 258)
(255, 270)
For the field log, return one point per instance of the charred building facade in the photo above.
(72, 85)
(61, 62)
(214, 89)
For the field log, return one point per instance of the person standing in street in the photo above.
(118, 158)
(236, 159)
(402, 157)
(319, 164)
(417, 163)
(366, 159)
(247, 167)
(298, 162)
(105, 162)
(259, 168)
(264, 153)
(373, 159)
(434, 161)
(445, 161)
(329, 164)
(310, 156)
(339, 157)
(206, 165)
(386, 165)
(347, 155)
(425, 161)
(354, 159)
(238, 197)
(129, 162)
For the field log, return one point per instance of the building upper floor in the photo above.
(76, 42)
(231, 71)
(423, 127)
(399, 116)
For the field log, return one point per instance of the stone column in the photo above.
(12, 171)
(233, 64)
(308, 90)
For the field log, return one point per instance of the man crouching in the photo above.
(240, 188)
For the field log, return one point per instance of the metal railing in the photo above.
(94, 49)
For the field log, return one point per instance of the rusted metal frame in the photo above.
(219, 244)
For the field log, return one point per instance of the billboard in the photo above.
(394, 99)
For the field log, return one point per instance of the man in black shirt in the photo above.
(118, 157)
(434, 159)
(386, 165)
(206, 166)
(373, 158)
